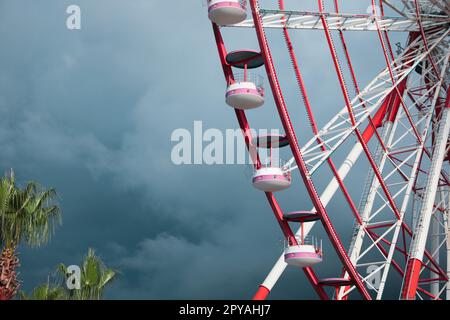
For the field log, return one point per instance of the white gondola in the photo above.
(227, 12)
(302, 255)
(271, 179)
(245, 94)
(274, 176)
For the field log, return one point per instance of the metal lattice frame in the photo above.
(401, 122)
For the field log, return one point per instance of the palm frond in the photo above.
(29, 214)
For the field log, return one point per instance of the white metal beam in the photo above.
(423, 225)
(341, 21)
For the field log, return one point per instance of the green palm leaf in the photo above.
(27, 215)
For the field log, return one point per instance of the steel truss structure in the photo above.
(399, 123)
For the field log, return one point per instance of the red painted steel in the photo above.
(261, 294)
(412, 277)
(288, 127)
(245, 127)
(387, 112)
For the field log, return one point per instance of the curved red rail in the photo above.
(312, 120)
(288, 127)
(245, 127)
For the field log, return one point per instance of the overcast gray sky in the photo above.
(90, 113)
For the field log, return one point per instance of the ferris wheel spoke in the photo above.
(383, 87)
(349, 105)
(395, 8)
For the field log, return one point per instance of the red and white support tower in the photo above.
(396, 126)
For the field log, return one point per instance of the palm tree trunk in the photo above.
(9, 284)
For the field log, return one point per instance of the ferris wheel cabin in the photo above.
(244, 95)
(226, 12)
(302, 255)
(306, 252)
(246, 91)
(272, 178)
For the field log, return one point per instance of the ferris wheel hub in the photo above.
(226, 12)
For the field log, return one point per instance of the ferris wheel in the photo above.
(397, 125)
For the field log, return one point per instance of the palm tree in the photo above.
(8, 276)
(46, 292)
(27, 216)
(95, 276)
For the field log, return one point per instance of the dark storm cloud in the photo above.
(91, 112)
